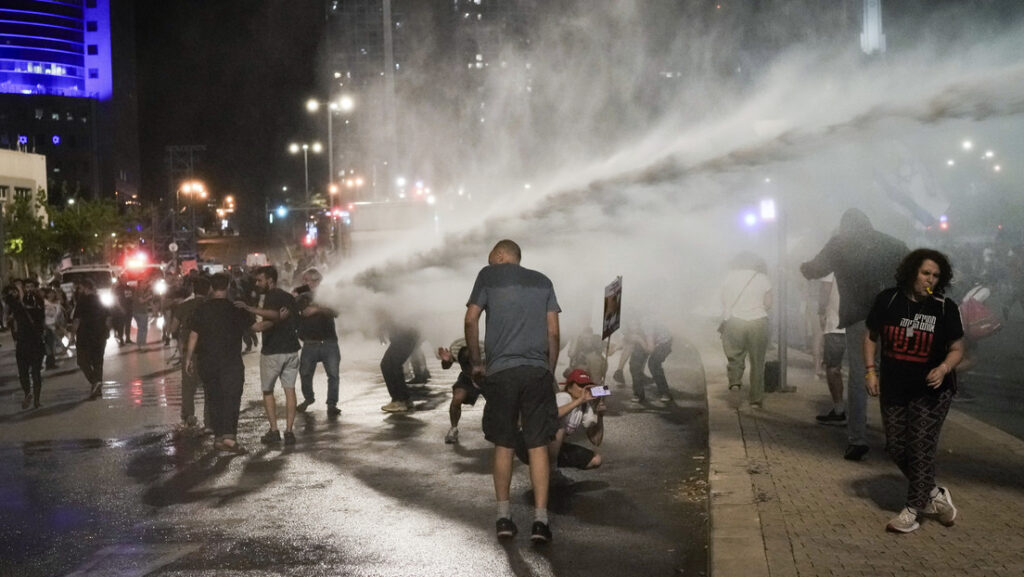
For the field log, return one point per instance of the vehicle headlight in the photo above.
(106, 297)
(160, 287)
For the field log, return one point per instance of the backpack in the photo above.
(979, 321)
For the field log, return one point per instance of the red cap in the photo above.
(580, 377)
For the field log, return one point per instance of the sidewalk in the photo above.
(785, 503)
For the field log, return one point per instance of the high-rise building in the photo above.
(67, 91)
(418, 82)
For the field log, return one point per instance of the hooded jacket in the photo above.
(863, 260)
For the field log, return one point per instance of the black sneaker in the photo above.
(333, 411)
(506, 528)
(301, 407)
(540, 533)
(271, 438)
(96, 391)
(831, 418)
(289, 438)
(855, 452)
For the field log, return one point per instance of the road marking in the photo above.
(132, 560)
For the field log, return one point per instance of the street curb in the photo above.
(736, 546)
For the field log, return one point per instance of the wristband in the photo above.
(869, 367)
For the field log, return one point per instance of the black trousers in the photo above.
(90, 359)
(30, 368)
(401, 347)
(222, 381)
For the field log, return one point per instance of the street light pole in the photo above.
(294, 148)
(305, 163)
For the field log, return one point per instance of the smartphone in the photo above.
(600, 391)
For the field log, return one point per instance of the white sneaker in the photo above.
(905, 522)
(451, 436)
(941, 507)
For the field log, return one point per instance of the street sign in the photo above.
(173, 247)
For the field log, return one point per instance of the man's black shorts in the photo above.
(834, 349)
(465, 383)
(520, 395)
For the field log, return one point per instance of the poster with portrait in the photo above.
(612, 307)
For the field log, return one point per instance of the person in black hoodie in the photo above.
(28, 324)
(863, 260)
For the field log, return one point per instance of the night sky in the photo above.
(232, 75)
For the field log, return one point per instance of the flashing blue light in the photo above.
(282, 211)
(943, 218)
(22, 139)
(750, 219)
(56, 139)
(138, 228)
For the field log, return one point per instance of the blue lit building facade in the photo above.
(67, 92)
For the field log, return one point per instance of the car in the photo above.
(103, 277)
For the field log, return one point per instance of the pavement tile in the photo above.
(822, 515)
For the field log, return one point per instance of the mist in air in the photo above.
(634, 138)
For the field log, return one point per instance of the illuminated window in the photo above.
(91, 26)
(93, 50)
(54, 116)
(39, 113)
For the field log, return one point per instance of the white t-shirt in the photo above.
(749, 298)
(832, 307)
(581, 416)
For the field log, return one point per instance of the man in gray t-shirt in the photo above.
(522, 343)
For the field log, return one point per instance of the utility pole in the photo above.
(389, 100)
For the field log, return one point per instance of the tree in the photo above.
(27, 239)
(84, 228)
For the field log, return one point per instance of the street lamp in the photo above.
(343, 104)
(294, 148)
(193, 189)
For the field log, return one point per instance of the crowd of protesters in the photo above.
(214, 319)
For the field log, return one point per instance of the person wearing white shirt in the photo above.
(746, 298)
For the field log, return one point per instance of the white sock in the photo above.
(541, 515)
(840, 407)
(504, 508)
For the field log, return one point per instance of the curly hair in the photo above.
(906, 273)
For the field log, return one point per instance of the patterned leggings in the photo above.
(911, 438)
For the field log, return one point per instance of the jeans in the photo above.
(50, 342)
(142, 330)
(325, 352)
(658, 356)
(857, 394)
(637, 361)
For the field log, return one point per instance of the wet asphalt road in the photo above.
(108, 487)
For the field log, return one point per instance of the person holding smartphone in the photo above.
(580, 406)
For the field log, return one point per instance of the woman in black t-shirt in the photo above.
(919, 334)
